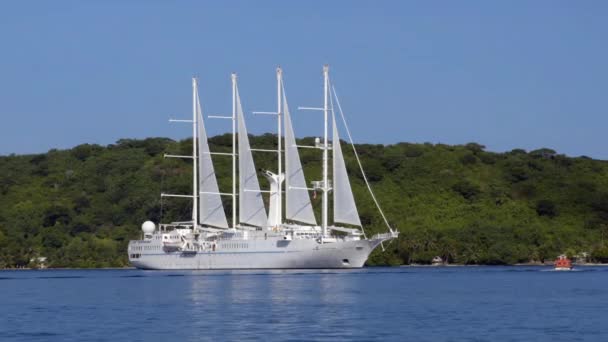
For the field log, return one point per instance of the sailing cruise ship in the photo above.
(256, 239)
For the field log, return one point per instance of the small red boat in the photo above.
(562, 263)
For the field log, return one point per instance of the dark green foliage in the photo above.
(517, 151)
(412, 150)
(84, 151)
(80, 207)
(517, 171)
(600, 254)
(487, 158)
(466, 189)
(475, 147)
(523, 190)
(56, 214)
(468, 159)
(546, 208)
(543, 153)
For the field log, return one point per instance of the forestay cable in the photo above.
(352, 143)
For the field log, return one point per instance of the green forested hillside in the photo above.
(80, 207)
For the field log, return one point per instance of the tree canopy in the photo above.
(79, 207)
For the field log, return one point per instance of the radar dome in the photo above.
(148, 227)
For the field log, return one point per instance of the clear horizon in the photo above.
(531, 75)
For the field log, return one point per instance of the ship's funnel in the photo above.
(274, 213)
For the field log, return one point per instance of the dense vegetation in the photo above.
(80, 207)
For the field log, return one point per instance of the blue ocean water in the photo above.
(372, 304)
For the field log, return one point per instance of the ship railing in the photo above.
(170, 226)
(385, 236)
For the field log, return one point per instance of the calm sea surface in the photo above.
(382, 304)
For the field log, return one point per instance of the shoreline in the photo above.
(512, 265)
(375, 266)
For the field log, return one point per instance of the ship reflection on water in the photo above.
(282, 298)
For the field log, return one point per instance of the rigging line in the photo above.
(162, 185)
(331, 101)
(384, 247)
(352, 143)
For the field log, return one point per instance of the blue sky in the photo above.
(510, 74)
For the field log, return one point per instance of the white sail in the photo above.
(297, 199)
(251, 204)
(211, 210)
(345, 209)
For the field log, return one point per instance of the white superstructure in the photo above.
(289, 238)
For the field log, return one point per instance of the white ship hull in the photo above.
(254, 254)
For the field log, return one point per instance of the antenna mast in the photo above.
(194, 155)
(233, 150)
(279, 198)
(325, 148)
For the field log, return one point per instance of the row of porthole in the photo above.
(235, 245)
(145, 248)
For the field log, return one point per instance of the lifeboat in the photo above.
(562, 263)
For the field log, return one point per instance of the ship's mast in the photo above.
(279, 199)
(194, 155)
(234, 151)
(325, 148)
